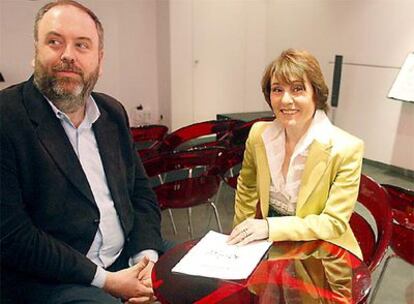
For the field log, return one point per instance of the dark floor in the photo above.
(398, 284)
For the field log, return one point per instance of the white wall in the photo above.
(151, 50)
(163, 61)
(229, 48)
(16, 42)
(218, 52)
(377, 33)
(181, 23)
(370, 32)
(130, 71)
(373, 33)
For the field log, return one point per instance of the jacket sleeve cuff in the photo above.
(149, 253)
(100, 277)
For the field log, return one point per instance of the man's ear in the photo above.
(33, 63)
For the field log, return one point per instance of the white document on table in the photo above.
(213, 257)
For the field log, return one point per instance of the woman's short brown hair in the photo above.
(295, 64)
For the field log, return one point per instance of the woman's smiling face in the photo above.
(293, 103)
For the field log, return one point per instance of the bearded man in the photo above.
(79, 221)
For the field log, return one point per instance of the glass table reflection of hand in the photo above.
(291, 272)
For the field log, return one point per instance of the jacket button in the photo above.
(127, 239)
(96, 221)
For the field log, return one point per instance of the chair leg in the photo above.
(220, 188)
(380, 277)
(190, 222)
(217, 216)
(172, 221)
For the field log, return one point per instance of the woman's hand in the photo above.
(248, 231)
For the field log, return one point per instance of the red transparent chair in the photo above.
(230, 164)
(186, 179)
(147, 137)
(199, 135)
(238, 135)
(372, 228)
(373, 239)
(402, 240)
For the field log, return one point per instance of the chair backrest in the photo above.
(185, 178)
(180, 139)
(147, 137)
(230, 163)
(149, 133)
(373, 240)
(401, 199)
(238, 135)
(402, 204)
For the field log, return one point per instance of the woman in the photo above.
(304, 171)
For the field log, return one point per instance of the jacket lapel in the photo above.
(263, 174)
(107, 138)
(268, 145)
(53, 138)
(316, 164)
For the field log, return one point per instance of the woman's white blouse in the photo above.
(284, 193)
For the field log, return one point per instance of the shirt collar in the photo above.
(318, 130)
(92, 112)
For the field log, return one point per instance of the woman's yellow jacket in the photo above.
(327, 194)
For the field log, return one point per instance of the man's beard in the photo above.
(58, 89)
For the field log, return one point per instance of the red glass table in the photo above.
(291, 272)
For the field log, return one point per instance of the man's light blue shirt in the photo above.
(109, 239)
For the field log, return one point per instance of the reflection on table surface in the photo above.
(291, 272)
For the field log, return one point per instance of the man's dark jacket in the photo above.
(48, 214)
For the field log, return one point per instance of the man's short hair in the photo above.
(50, 5)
